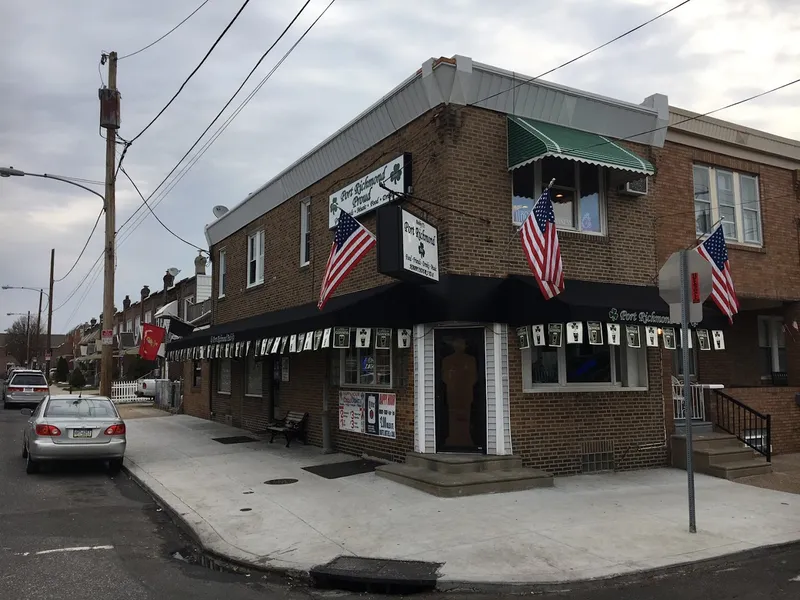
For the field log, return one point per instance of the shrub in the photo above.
(62, 369)
(77, 379)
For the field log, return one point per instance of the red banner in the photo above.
(152, 338)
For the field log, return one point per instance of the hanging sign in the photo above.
(651, 336)
(633, 336)
(403, 338)
(719, 339)
(595, 333)
(612, 329)
(575, 332)
(374, 189)
(538, 335)
(309, 343)
(554, 334)
(383, 338)
(669, 338)
(341, 337)
(408, 246)
(524, 336)
(362, 337)
(318, 339)
(703, 340)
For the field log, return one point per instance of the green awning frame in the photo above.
(530, 140)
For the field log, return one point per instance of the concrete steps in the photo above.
(452, 475)
(720, 455)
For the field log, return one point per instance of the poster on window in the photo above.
(703, 341)
(309, 343)
(554, 334)
(719, 339)
(403, 338)
(351, 411)
(371, 409)
(387, 409)
(383, 338)
(613, 331)
(538, 335)
(651, 336)
(669, 338)
(341, 337)
(524, 337)
(595, 329)
(326, 338)
(363, 335)
(633, 336)
(575, 332)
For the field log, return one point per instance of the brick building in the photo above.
(750, 179)
(446, 342)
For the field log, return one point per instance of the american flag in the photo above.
(351, 242)
(540, 245)
(714, 250)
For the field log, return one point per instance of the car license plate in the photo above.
(81, 433)
(28, 390)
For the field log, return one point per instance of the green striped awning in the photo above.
(530, 140)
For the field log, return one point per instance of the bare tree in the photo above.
(17, 338)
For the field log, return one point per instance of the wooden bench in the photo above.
(292, 426)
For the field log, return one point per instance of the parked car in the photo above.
(146, 388)
(25, 387)
(70, 428)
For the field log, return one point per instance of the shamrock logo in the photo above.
(613, 314)
(396, 173)
(334, 206)
(421, 250)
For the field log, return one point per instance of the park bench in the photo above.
(292, 426)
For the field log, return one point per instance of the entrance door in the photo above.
(460, 390)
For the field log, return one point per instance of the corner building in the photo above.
(443, 336)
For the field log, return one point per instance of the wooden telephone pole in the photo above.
(110, 120)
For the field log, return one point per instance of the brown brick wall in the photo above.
(196, 399)
(779, 402)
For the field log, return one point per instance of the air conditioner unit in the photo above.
(639, 187)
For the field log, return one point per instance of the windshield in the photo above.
(28, 379)
(80, 408)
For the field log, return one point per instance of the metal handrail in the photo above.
(736, 418)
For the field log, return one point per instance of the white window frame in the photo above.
(305, 232)
(128, 326)
(222, 267)
(250, 363)
(148, 317)
(187, 302)
(529, 387)
(603, 196)
(223, 363)
(774, 343)
(360, 352)
(255, 254)
(138, 329)
(739, 207)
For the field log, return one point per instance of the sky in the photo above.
(704, 55)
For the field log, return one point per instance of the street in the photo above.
(74, 531)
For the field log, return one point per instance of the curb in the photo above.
(218, 554)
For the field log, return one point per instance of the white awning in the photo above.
(170, 309)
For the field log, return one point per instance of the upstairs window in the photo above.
(222, 267)
(772, 345)
(148, 317)
(305, 232)
(729, 197)
(255, 258)
(577, 194)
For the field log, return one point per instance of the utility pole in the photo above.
(39, 329)
(49, 349)
(110, 120)
(28, 350)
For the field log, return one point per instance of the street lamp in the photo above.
(106, 369)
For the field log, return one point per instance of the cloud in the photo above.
(703, 55)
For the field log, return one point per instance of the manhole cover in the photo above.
(280, 481)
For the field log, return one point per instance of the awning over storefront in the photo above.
(530, 140)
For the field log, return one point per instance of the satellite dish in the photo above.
(173, 271)
(220, 210)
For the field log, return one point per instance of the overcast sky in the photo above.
(703, 56)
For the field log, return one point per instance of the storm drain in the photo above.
(280, 481)
(235, 439)
(356, 574)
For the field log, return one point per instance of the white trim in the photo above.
(222, 257)
(625, 150)
(419, 388)
(540, 133)
(258, 258)
(499, 399)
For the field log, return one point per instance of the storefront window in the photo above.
(224, 376)
(253, 374)
(586, 366)
(366, 366)
(772, 345)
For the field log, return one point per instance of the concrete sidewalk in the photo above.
(585, 527)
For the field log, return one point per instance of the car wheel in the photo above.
(115, 466)
(30, 466)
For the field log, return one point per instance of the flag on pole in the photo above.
(351, 242)
(715, 251)
(540, 245)
(152, 338)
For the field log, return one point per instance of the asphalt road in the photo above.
(126, 546)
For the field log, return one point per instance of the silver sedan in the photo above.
(73, 428)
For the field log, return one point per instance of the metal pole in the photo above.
(28, 349)
(687, 390)
(39, 330)
(49, 349)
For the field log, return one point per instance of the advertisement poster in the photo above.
(351, 411)
(371, 401)
(386, 415)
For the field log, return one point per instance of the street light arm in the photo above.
(57, 178)
(22, 287)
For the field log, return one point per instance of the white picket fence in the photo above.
(124, 391)
(698, 400)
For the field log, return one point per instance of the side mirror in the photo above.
(26, 412)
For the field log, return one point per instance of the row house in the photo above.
(440, 342)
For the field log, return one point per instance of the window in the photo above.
(578, 194)
(305, 232)
(84, 407)
(197, 373)
(187, 302)
(253, 377)
(223, 273)
(224, 376)
(138, 328)
(365, 366)
(772, 346)
(255, 258)
(128, 326)
(583, 366)
(148, 317)
(677, 362)
(729, 197)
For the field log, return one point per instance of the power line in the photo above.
(197, 68)
(88, 239)
(230, 119)
(214, 120)
(150, 45)
(585, 54)
(164, 225)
